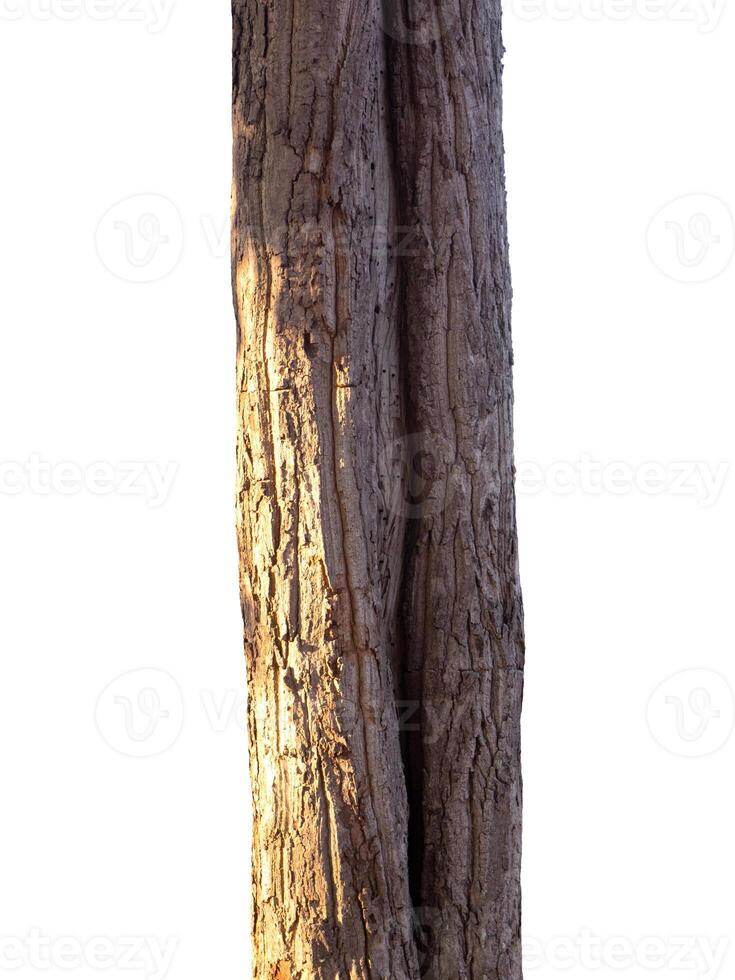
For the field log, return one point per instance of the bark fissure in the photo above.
(376, 521)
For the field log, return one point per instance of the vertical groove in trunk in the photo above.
(462, 604)
(376, 525)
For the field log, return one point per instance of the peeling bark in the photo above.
(376, 523)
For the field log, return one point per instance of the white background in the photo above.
(624, 413)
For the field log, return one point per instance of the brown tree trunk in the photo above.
(383, 619)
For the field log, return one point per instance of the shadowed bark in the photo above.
(376, 520)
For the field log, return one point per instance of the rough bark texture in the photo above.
(376, 521)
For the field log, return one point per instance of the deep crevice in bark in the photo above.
(408, 688)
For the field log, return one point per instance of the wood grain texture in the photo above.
(376, 520)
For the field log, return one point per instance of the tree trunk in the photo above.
(376, 520)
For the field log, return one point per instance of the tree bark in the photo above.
(376, 518)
